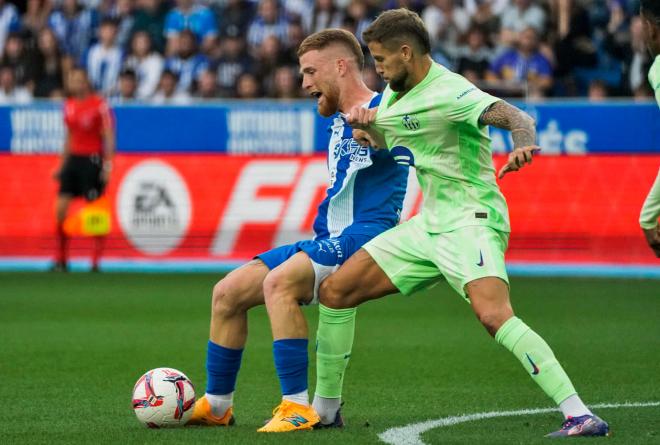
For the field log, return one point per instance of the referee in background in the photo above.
(86, 157)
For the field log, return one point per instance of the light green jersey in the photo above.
(438, 121)
(654, 78)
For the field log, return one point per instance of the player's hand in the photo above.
(105, 176)
(361, 118)
(653, 239)
(364, 139)
(518, 158)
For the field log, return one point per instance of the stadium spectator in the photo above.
(123, 12)
(474, 57)
(146, 63)
(167, 93)
(75, 28)
(104, 59)
(247, 87)
(35, 17)
(269, 57)
(325, 14)
(207, 86)
(234, 19)
(187, 64)
(10, 92)
(413, 5)
(597, 90)
(446, 23)
(358, 12)
(190, 16)
(49, 71)
(286, 84)
(16, 56)
(576, 50)
(9, 22)
(523, 65)
(128, 85)
(86, 157)
(640, 62)
(522, 14)
(233, 62)
(269, 21)
(150, 18)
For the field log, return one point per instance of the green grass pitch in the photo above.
(72, 346)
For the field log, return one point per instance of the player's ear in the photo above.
(342, 66)
(406, 52)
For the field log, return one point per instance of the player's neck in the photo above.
(354, 94)
(419, 72)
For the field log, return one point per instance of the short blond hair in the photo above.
(323, 39)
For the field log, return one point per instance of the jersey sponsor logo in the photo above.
(411, 122)
(466, 92)
(155, 207)
(350, 147)
(535, 369)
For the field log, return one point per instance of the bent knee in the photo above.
(280, 288)
(493, 320)
(333, 295)
(227, 299)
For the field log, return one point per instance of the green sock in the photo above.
(536, 357)
(334, 341)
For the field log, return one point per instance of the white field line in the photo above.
(410, 434)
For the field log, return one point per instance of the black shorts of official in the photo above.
(81, 176)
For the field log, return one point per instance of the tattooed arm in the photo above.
(523, 132)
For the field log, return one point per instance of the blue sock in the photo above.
(222, 365)
(291, 364)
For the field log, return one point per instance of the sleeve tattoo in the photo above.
(507, 117)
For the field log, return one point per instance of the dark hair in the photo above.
(109, 21)
(327, 37)
(651, 9)
(128, 72)
(398, 26)
(170, 73)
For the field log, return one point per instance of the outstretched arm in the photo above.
(523, 132)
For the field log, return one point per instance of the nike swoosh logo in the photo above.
(536, 369)
(481, 259)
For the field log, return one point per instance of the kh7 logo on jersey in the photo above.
(411, 122)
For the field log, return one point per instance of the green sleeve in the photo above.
(648, 219)
(468, 102)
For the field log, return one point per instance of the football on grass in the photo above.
(163, 397)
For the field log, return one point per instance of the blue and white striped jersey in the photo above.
(367, 186)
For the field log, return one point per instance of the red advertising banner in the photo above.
(216, 207)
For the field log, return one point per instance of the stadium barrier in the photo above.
(225, 209)
(268, 127)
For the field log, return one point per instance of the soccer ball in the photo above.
(163, 397)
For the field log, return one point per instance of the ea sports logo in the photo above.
(153, 206)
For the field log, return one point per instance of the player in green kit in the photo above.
(437, 121)
(648, 219)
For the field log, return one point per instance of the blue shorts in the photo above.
(326, 255)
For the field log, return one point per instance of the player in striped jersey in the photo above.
(364, 198)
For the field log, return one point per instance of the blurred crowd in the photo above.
(177, 51)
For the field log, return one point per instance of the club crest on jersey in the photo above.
(410, 122)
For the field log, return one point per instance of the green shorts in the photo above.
(414, 259)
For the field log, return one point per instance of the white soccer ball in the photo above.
(163, 397)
